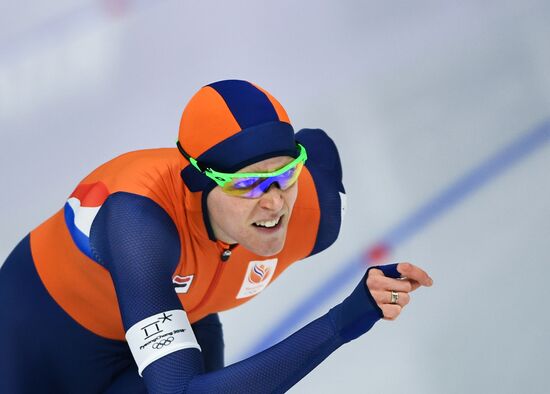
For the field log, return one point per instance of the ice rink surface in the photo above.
(415, 95)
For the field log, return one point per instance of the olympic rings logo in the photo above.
(164, 342)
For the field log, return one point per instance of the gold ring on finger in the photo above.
(394, 297)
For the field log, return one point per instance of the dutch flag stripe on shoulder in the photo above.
(81, 209)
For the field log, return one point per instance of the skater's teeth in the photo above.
(268, 223)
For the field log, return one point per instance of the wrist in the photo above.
(356, 314)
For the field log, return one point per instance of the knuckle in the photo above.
(378, 297)
(391, 311)
(385, 310)
(369, 280)
(406, 299)
(373, 281)
(374, 272)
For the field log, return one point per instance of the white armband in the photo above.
(159, 335)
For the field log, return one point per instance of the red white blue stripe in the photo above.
(80, 211)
